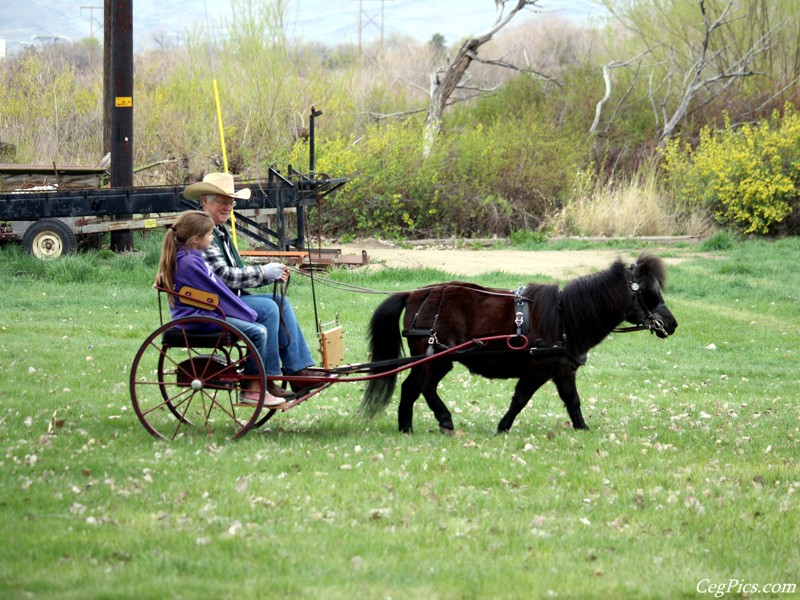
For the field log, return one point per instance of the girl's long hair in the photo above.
(189, 224)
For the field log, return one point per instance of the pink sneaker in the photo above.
(252, 396)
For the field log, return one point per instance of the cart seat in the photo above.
(176, 336)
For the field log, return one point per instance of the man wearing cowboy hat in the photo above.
(285, 344)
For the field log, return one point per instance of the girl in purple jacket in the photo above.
(182, 264)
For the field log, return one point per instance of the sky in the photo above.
(326, 21)
(334, 22)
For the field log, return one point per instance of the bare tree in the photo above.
(693, 57)
(443, 82)
(701, 76)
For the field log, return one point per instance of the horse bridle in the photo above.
(650, 323)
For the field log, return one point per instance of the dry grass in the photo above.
(634, 208)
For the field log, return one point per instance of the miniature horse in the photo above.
(549, 333)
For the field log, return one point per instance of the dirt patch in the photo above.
(559, 264)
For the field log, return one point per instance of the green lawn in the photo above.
(687, 479)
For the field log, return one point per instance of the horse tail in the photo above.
(385, 344)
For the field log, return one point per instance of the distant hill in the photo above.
(37, 21)
(21, 22)
(326, 21)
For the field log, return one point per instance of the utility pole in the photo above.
(92, 22)
(121, 50)
(366, 18)
(108, 102)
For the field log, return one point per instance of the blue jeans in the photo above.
(285, 341)
(258, 335)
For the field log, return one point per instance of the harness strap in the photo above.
(631, 328)
(418, 332)
(419, 310)
(522, 313)
(413, 331)
(522, 319)
(578, 359)
(281, 287)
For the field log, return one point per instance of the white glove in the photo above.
(273, 271)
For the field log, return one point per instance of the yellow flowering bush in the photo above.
(748, 177)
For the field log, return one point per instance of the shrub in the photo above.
(482, 178)
(746, 177)
(721, 240)
(64, 104)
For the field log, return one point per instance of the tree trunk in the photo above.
(445, 81)
(443, 84)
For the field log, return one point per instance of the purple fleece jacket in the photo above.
(191, 269)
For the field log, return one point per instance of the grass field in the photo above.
(687, 480)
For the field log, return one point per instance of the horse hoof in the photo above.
(446, 430)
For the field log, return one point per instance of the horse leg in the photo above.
(424, 380)
(440, 411)
(409, 392)
(525, 388)
(435, 402)
(569, 395)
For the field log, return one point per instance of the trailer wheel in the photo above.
(49, 238)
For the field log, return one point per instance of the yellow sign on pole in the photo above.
(123, 102)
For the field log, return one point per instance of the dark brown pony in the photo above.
(543, 333)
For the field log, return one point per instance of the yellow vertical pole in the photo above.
(221, 130)
(224, 156)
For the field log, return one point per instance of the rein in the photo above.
(363, 290)
(281, 287)
(522, 305)
(632, 328)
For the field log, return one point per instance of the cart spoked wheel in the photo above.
(182, 379)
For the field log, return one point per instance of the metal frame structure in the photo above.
(150, 207)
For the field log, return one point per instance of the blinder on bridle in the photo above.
(649, 321)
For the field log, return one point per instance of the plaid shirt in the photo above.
(236, 278)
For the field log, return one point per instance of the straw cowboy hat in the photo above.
(218, 184)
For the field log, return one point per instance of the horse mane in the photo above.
(582, 308)
(648, 265)
(593, 305)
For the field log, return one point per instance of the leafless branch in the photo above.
(625, 95)
(607, 78)
(791, 84)
(696, 83)
(394, 115)
(513, 67)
